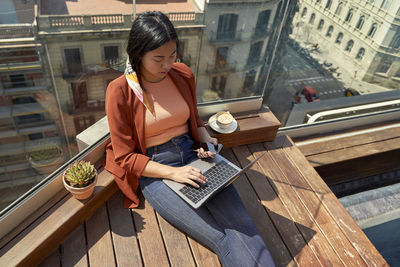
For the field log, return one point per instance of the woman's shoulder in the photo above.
(182, 70)
(118, 82)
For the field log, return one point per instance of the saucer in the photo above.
(213, 124)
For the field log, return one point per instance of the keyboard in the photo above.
(216, 176)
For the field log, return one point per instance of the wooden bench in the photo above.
(355, 154)
(299, 218)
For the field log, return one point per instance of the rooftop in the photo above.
(86, 7)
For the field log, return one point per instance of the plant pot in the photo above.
(45, 167)
(81, 192)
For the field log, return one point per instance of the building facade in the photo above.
(362, 37)
(235, 48)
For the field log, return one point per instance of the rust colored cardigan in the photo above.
(126, 153)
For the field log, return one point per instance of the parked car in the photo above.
(310, 94)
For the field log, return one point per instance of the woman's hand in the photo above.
(187, 175)
(205, 137)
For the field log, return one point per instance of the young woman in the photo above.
(154, 124)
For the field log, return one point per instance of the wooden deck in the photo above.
(299, 218)
(342, 157)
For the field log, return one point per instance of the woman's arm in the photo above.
(186, 174)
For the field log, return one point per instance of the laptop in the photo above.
(220, 173)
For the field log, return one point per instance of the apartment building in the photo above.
(87, 50)
(367, 31)
(235, 47)
(25, 124)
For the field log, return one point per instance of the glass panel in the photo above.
(54, 73)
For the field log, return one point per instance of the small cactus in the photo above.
(80, 173)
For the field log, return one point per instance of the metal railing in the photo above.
(15, 31)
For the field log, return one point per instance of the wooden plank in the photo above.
(299, 214)
(33, 217)
(53, 260)
(40, 238)
(74, 251)
(123, 233)
(261, 219)
(177, 245)
(202, 255)
(353, 169)
(321, 145)
(99, 239)
(149, 236)
(314, 206)
(338, 213)
(269, 195)
(354, 152)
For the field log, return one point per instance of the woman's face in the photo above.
(156, 63)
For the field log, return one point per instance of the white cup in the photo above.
(224, 119)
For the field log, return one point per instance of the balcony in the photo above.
(51, 24)
(221, 68)
(225, 37)
(24, 87)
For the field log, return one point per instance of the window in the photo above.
(304, 13)
(312, 18)
(222, 57)
(83, 122)
(262, 22)
(255, 53)
(328, 4)
(360, 53)
(349, 46)
(227, 26)
(396, 41)
(320, 24)
(111, 54)
(248, 85)
(218, 84)
(329, 32)
(339, 38)
(360, 22)
(385, 4)
(349, 15)
(80, 95)
(339, 8)
(17, 80)
(372, 30)
(384, 65)
(73, 60)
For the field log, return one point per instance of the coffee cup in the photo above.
(224, 119)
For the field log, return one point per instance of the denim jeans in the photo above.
(222, 224)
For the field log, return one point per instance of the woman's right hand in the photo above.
(187, 175)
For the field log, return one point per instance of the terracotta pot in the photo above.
(81, 192)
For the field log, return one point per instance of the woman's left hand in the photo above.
(201, 153)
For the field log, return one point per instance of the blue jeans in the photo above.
(222, 224)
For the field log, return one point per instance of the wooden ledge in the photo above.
(34, 243)
(253, 127)
(356, 154)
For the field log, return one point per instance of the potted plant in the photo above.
(45, 157)
(80, 178)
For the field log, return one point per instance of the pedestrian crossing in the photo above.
(317, 79)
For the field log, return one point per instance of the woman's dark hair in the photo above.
(149, 31)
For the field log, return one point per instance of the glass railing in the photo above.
(296, 57)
